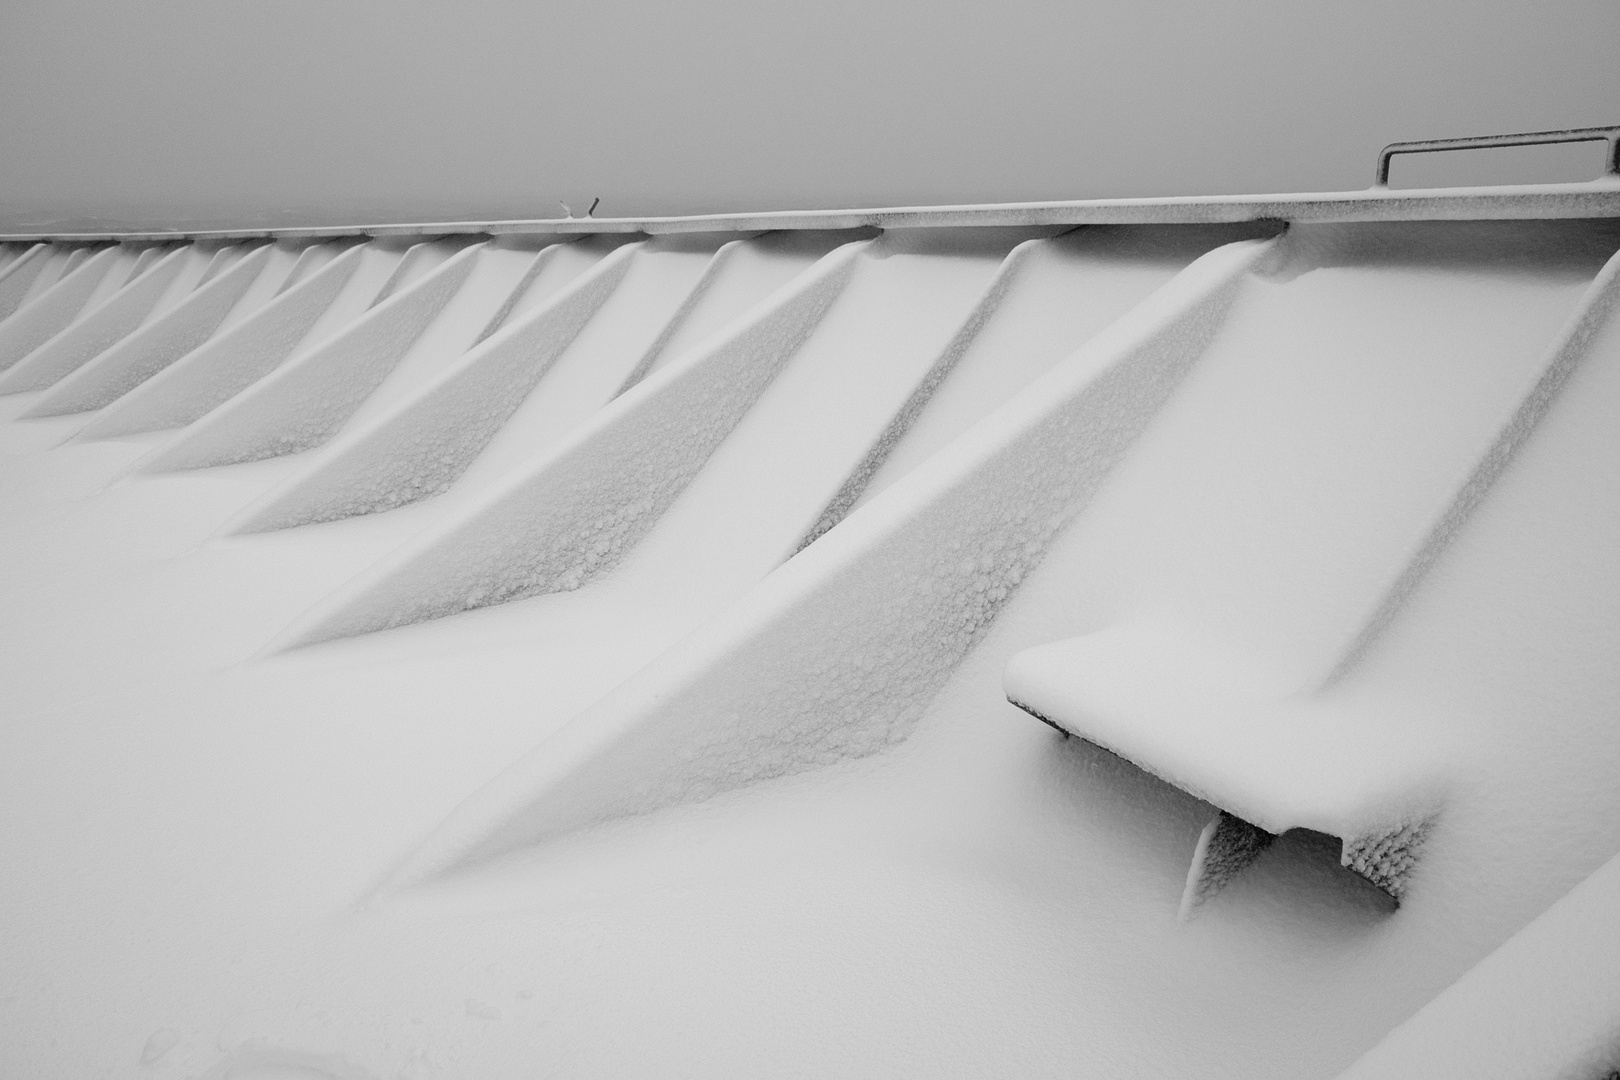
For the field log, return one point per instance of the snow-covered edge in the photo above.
(836, 654)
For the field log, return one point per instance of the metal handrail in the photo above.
(1610, 135)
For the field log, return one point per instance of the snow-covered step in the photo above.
(782, 434)
(662, 302)
(303, 401)
(19, 278)
(497, 274)
(63, 260)
(310, 397)
(420, 446)
(1185, 696)
(639, 452)
(557, 267)
(162, 285)
(37, 321)
(742, 273)
(1200, 718)
(10, 252)
(1050, 296)
(837, 653)
(239, 355)
(193, 318)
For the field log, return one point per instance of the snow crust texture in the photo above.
(417, 649)
(419, 449)
(96, 331)
(837, 655)
(582, 508)
(1227, 846)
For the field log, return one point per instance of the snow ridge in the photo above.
(836, 655)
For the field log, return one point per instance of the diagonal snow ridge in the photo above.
(93, 332)
(1321, 537)
(1262, 740)
(548, 253)
(236, 358)
(38, 321)
(1499, 1019)
(308, 398)
(419, 447)
(1572, 346)
(160, 342)
(723, 258)
(20, 277)
(836, 654)
(994, 294)
(577, 511)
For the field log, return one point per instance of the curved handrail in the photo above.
(1610, 135)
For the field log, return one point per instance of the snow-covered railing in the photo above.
(1609, 135)
(1597, 199)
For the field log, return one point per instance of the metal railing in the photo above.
(1610, 135)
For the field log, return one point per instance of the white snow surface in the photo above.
(586, 765)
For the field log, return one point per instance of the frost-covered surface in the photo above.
(307, 399)
(61, 304)
(1245, 733)
(33, 272)
(228, 863)
(419, 448)
(95, 331)
(18, 279)
(215, 372)
(1226, 847)
(162, 341)
(838, 654)
(575, 517)
(1503, 1021)
(1049, 297)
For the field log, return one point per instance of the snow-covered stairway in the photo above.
(548, 369)
(836, 654)
(1213, 689)
(162, 310)
(421, 642)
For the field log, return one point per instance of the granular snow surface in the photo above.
(717, 802)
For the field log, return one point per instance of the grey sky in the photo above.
(312, 110)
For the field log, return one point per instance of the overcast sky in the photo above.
(287, 111)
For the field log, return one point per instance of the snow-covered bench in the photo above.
(1220, 727)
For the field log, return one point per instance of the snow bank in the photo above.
(158, 343)
(575, 514)
(1179, 703)
(722, 261)
(95, 331)
(27, 329)
(1501, 1021)
(223, 367)
(19, 277)
(988, 305)
(836, 655)
(423, 444)
(306, 399)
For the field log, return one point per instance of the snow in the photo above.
(418, 448)
(720, 808)
(161, 341)
(58, 306)
(308, 398)
(1497, 1020)
(32, 274)
(110, 322)
(218, 370)
(836, 655)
